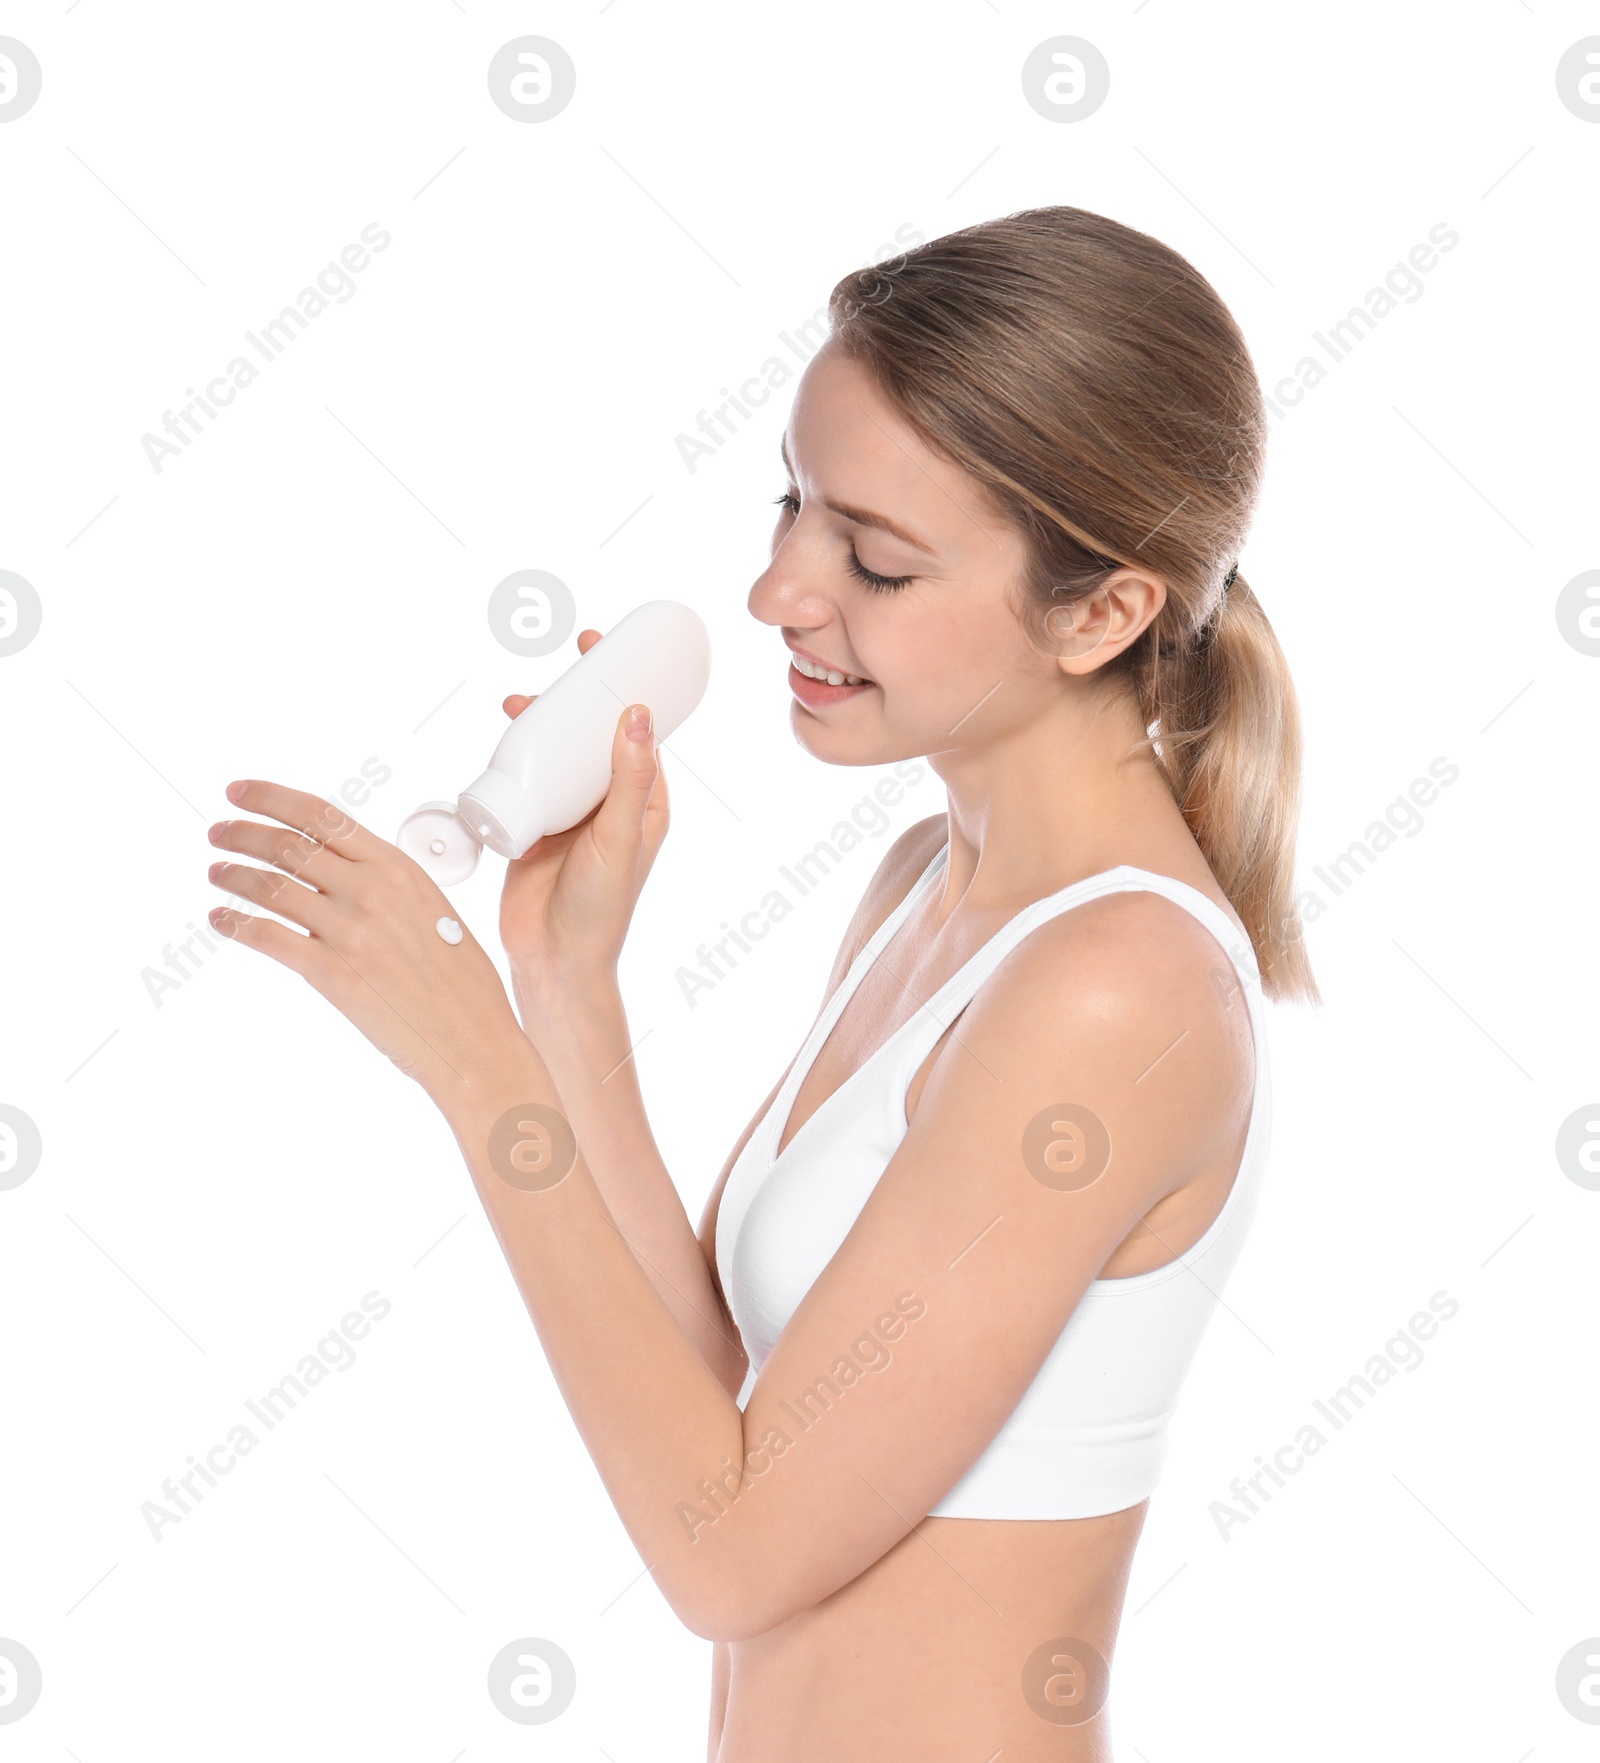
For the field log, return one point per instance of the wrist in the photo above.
(550, 994)
(581, 1036)
(504, 1074)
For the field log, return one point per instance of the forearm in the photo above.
(656, 1420)
(580, 1042)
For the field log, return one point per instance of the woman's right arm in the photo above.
(621, 1151)
(606, 1112)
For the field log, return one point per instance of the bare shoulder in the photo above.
(1127, 953)
(1130, 998)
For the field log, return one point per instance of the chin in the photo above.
(839, 746)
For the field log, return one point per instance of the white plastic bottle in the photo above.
(553, 765)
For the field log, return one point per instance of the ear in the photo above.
(1086, 634)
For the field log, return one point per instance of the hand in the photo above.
(438, 1010)
(569, 899)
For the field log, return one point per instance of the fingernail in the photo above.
(235, 791)
(639, 723)
(218, 830)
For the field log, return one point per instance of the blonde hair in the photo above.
(1094, 382)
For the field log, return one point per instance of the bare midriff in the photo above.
(971, 1640)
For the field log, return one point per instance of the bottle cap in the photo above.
(441, 841)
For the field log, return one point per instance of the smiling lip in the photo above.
(816, 693)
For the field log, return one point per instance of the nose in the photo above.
(788, 594)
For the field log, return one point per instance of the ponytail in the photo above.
(1225, 730)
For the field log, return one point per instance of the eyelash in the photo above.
(880, 584)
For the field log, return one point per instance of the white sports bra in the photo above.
(1089, 1435)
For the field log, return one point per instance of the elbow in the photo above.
(722, 1619)
(710, 1620)
(738, 1575)
(727, 1607)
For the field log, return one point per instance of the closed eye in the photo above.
(880, 584)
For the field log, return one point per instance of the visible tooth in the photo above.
(828, 675)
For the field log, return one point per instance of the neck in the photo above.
(1057, 797)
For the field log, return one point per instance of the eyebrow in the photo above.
(862, 516)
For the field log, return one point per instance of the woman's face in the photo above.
(945, 658)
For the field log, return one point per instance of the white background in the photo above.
(226, 1173)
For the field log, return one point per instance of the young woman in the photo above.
(885, 1429)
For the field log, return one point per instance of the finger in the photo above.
(515, 705)
(619, 825)
(292, 852)
(278, 893)
(285, 946)
(323, 821)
